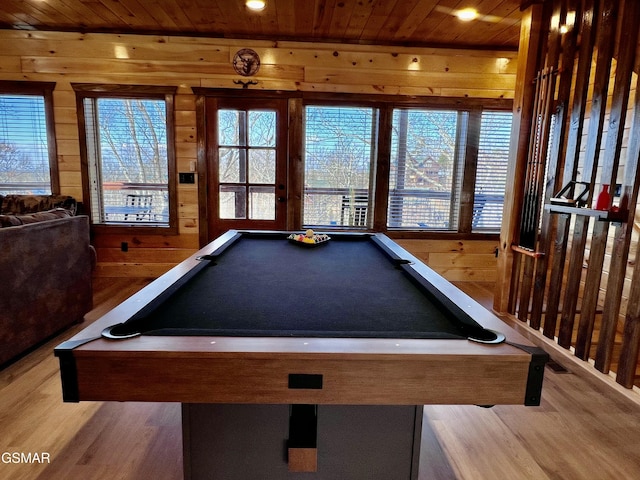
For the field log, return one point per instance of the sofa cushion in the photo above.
(23, 204)
(14, 220)
(43, 216)
(9, 221)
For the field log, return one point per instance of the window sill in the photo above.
(131, 228)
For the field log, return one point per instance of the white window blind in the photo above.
(24, 151)
(491, 174)
(424, 170)
(339, 149)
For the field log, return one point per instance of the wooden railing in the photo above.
(558, 284)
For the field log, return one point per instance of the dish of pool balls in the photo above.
(309, 238)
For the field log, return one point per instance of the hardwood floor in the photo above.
(582, 430)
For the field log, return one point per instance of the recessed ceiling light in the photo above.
(467, 14)
(255, 4)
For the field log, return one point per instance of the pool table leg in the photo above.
(231, 441)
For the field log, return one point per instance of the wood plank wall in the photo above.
(186, 62)
(457, 260)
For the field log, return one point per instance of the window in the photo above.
(339, 154)
(247, 164)
(491, 170)
(130, 160)
(446, 167)
(423, 172)
(27, 155)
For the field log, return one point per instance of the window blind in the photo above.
(338, 157)
(491, 174)
(423, 170)
(24, 151)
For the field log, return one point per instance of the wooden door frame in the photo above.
(207, 149)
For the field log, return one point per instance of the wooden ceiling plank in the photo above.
(77, 10)
(400, 14)
(262, 21)
(341, 17)
(359, 16)
(69, 16)
(377, 18)
(31, 14)
(16, 17)
(123, 13)
(207, 16)
(57, 10)
(322, 18)
(235, 17)
(381, 22)
(412, 21)
(303, 17)
(8, 20)
(511, 13)
(286, 15)
(100, 10)
(140, 12)
(176, 12)
(509, 31)
(432, 27)
(165, 20)
(475, 31)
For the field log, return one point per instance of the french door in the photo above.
(246, 156)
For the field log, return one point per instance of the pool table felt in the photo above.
(270, 287)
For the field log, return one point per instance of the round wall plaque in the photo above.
(246, 62)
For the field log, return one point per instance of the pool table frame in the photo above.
(257, 370)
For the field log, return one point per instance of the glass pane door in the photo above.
(247, 164)
(249, 168)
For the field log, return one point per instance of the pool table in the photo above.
(282, 346)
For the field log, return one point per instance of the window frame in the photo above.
(45, 90)
(167, 94)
